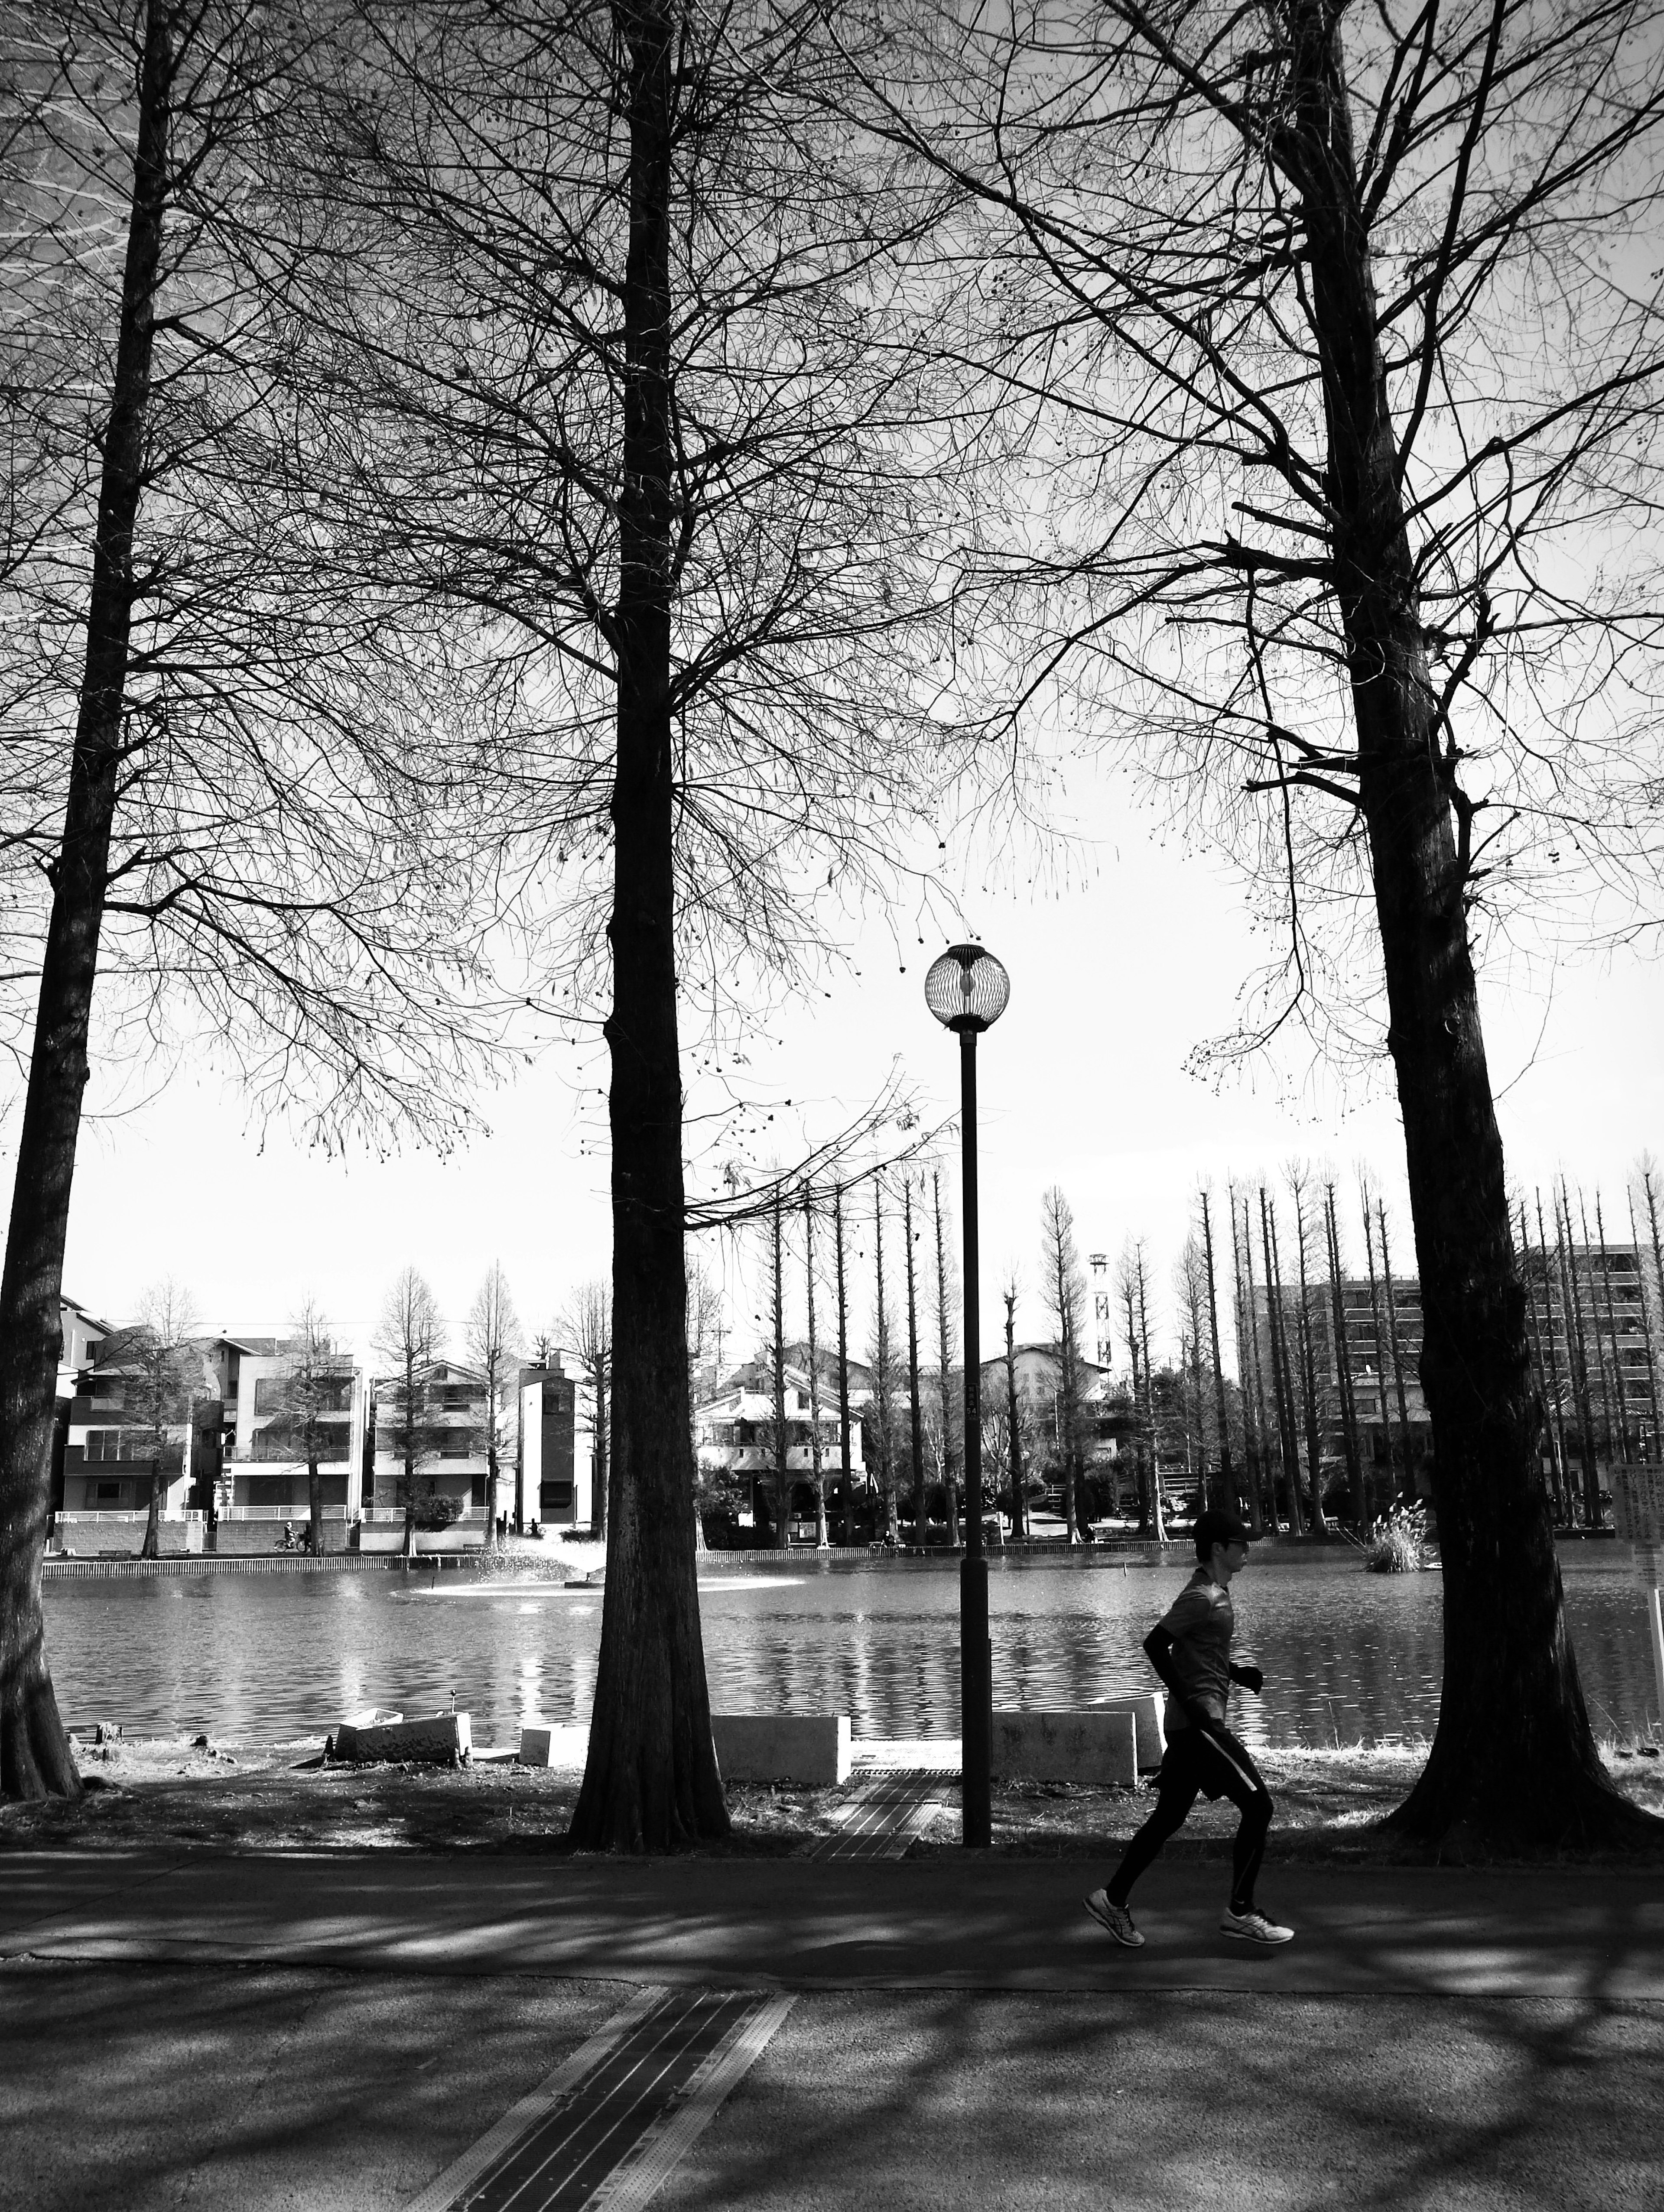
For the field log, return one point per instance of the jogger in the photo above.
(1189, 1649)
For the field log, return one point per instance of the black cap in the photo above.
(1214, 1527)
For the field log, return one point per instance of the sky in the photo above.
(1116, 974)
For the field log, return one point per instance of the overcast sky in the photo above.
(1114, 979)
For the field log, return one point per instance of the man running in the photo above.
(1190, 1648)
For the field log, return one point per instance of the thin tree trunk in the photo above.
(1534, 1337)
(1608, 1426)
(1349, 1421)
(1563, 1458)
(651, 1782)
(1651, 1198)
(1252, 1431)
(35, 1758)
(1393, 1339)
(1381, 1385)
(1308, 1373)
(781, 1434)
(882, 1380)
(915, 1411)
(822, 1542)
(943, 1363)
(846, 1471)
(1158, 1520)
(1577, 1352)
(1612, 1331)
(1278, 1312)
(1513, 1759)
(1263, 1431)
(1227, 1470)
(1019, 1504)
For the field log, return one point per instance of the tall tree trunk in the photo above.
(1348, 1419)
(1158, 1519)
(1558, 1416)
(1512, 1759)
(846, 1472)
(1308, 1372)
(821, 1543)
(1253, 1414)
(1608, 1425)
(1019, 1504)
(881, 1378)
(150, 1546)
(1612, 1331)
(1221, 1411)
(35, 1758)
(1577, 1357)
(915, 1411)
(1380, 1346)
(1263, 1426)
(1394, 1344)
(1539, 1378)
(651, 1782)
(782, 1431)
(944, 1384)
(1649, 1194)
(1278, 1317)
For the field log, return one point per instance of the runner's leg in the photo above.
(1176, 1794)
(1229, 1768)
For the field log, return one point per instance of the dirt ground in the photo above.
(282, 1796)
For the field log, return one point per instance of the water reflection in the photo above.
(1347, 1656)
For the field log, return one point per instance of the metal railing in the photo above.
(297, 1512)
(126, 1515)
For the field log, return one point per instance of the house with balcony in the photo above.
(448, 1425)
(119, 1439)
(276, 1402)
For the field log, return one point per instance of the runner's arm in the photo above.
(1249, 1678)
(1158, 1649)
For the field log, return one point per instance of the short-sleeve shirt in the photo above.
(1200, 1622)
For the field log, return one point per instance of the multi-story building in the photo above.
(121, 1436)
(450, 1423)
(267, 1409)
(554, 1474)
(1597, 1329)
(734, 1430)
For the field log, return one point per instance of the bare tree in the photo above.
(944, 1366)
(845, 1472)
(315, 1379)
(1349, 1423)
(1254, 1432)
(883, 1397)
(1065, 1291)
(210, 790)
(494, 1348)
(587, 1328)
(1277, 1312)
(161, 1359)
(1013, 1417)
(1222, 1413)
(408, 1339)
(915, 1416)
(1338, 311)
(818, 1473)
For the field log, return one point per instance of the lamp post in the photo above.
(967, 991)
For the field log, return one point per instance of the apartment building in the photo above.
(449, 1422)
(1594, 1316)
(734, 1428)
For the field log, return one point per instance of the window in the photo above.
(555, 1496)
(108, 1493)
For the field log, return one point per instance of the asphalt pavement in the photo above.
(335, 2030)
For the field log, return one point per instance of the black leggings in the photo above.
(1197, 1761)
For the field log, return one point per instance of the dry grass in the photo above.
(274, 1797)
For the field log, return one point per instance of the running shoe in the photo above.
(1251, 1927)
(1114, 1919)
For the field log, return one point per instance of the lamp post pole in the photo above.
(967, 991)
(976, 1656)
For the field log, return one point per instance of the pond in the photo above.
(1348, 1656)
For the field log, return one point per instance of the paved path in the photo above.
(946, 1923)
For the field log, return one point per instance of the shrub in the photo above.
(436, 1511)
(1396, 1543)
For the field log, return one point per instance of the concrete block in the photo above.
(1095, 1747)
(1146, 1710)
(565, 1744)
(444, 1740)
(778, 1747)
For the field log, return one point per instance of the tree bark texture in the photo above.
(35, 1758)
(1513, 1760)
(651, 1782)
